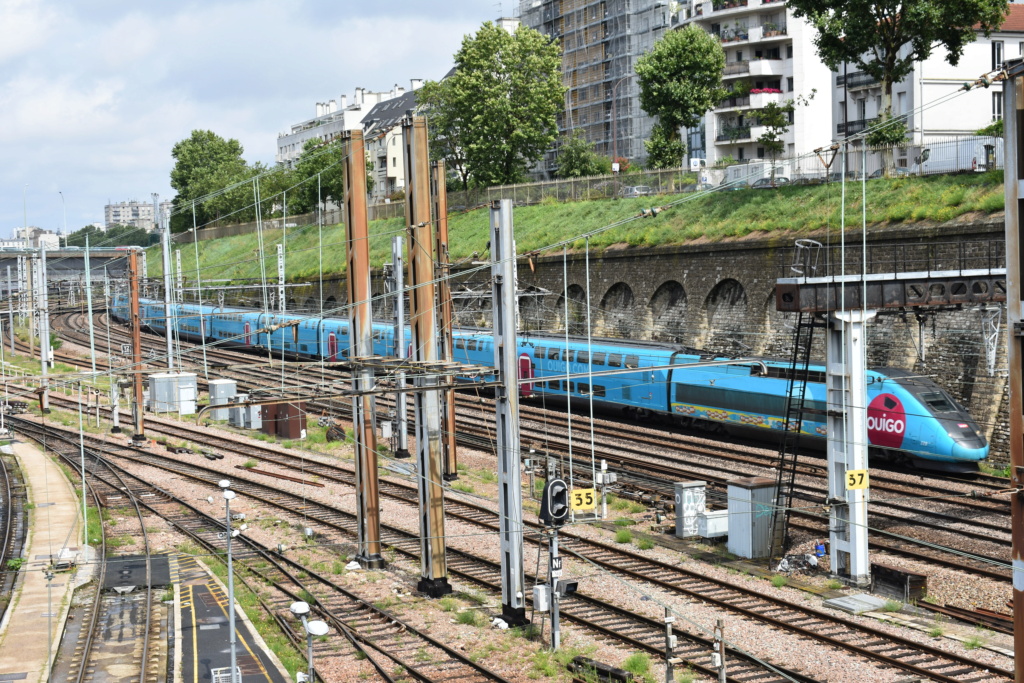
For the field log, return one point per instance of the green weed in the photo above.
(623, 536)
(468, 618)
(645, 544)
(779, 581)
(893, 606)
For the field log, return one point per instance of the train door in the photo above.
(332, 347)
(248, 337)
(202, 327)
(525, 372)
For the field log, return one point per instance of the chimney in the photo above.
(344, 101)
(358, 99)
(415, 83)
(399, 90)
(333, 107)
(319, 109)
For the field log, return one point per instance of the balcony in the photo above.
(858, 79)
(734, 102)
(767, 67)
(733, 35)
(735, 134)
(736, 68)
(759, 99)
(720, 5)
(856, 126)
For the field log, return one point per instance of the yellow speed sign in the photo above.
(856, 479)
(584, 499)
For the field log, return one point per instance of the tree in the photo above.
(665, 149)
(775, 119)
(203, 163)
(114, 236)
(577, 158)
(326, 160)
(995, 129)
(680, 80)
(495, 115)
(884, 38)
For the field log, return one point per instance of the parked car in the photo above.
(636, 191)
(767, 184)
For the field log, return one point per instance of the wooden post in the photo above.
(360, 318)
(444, 298)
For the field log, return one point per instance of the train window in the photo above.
(568, 386)
(598, 358)
(460, 343)
(627, 394)
(567, 355)
(614, 360)
(599, 390)
(583, 357)
(471, 344)
(302, 347)
(583, 388)
(539, 352)
(553, 354)
(632, 361)
(554, 385)
(938, 402)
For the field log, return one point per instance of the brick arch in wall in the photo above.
(726, 313)
(779, 330)
(331, 303)
(532, 312)
(577, 310)
(617, 314)
(666, 312)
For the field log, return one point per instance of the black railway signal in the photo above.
(554, 503)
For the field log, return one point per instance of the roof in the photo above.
(1014, 21)
(388, 114)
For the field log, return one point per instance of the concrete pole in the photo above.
(360, 318)
(401, 408)
(280, 278)
(506, 429)
(10, 308)
(434, 567)
(228, 495)
(165, 235)
(846, 385)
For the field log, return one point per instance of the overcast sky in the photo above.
(94, 93)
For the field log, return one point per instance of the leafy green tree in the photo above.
(775, 119)
(995, 129)
(113, 236)
(204, 163)
(327, 161)
(884, 38)
(577, 158)
(495, 115)
(680, 80)
(665, 149)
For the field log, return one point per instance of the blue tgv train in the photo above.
(910, 418)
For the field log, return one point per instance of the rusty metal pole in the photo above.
(360, 321)
(444, 300)
(1013, 121)
(423, 321)
(138, 409)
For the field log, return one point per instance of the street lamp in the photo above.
(228, 497)
(64, 208)
(313, 628)
(49, 620)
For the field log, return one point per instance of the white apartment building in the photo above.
(135, 213)
(33, 237)
(332, 119)
(769, 57)
(382, 131)
(857, 97)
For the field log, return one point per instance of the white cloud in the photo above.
(92, 96)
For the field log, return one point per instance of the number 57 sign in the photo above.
(856, 479)
(584, 499)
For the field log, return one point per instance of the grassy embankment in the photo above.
(715, 216)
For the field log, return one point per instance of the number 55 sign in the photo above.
(856, 479)
(583, 499)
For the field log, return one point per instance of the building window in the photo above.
(997, 54)
(862, 107)
(739, 154)
(760, 152)
(901, 103)
(394, 162)
(789, 52)
(1020, 49)
(739, 55)
(997, 106)
(789, 84)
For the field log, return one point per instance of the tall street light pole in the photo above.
(228, 496)
(64, 208)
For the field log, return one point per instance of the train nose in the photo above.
(969, 450)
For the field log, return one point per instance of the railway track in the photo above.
(111, 630)
(648, 462)
(794, 618)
